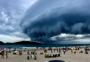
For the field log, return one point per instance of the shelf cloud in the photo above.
(48, 18)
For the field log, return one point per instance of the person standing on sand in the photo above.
(2, 54)
(6, 54)
(59, 50)
(86, 50)
(20, 53)
(64, 50)
(28, 53)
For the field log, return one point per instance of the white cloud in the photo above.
(10, 16)
(84, 38)
(28, 3)
(19, 34)
(11, 39)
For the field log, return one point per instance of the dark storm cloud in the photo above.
(65, 17)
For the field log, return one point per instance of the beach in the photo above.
(67, 57)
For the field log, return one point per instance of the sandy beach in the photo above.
(67, 57)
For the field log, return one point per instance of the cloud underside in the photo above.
(45, 27)
(59, 20)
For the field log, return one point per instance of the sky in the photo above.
(47, 18)
(11, 13)
(39, 20)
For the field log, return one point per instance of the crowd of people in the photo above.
(56, 52)
(31, 55)
(47, 52)
(4, 53)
